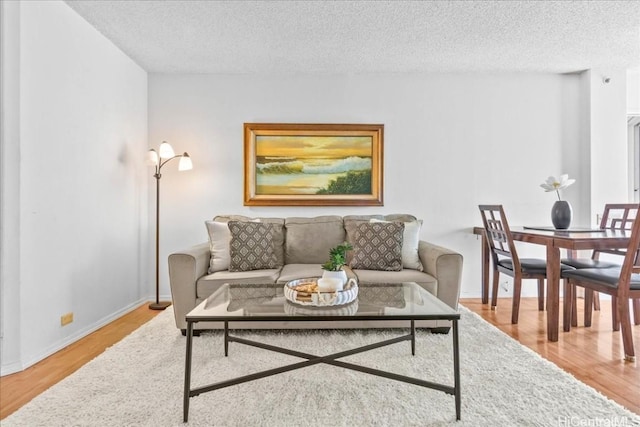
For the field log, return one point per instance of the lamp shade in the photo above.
(185, 162)
(152, 157)
(166, 151)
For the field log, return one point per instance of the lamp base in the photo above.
(159, 305)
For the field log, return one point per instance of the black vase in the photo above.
(561, 214)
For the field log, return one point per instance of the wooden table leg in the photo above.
(573, 304)
(567, 310)
(553, 291)
(485, 269)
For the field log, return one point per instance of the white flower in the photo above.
(556, 184)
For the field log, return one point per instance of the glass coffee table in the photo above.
(266, 303)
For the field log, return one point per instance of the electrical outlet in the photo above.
(505, 286)
(65, 319)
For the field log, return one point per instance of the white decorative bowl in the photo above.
(293, 293)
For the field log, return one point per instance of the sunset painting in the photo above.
(315, 164)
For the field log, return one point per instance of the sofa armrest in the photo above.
(446, 266)
(185, 268)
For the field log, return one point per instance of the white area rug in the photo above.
(139, 382)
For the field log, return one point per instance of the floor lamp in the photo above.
(158, 159)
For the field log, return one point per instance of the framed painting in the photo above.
(313, 164)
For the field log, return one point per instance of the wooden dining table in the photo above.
(554, 240)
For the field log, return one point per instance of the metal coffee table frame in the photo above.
(330, 359)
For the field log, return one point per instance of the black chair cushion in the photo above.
(604, 276)
(530, 265)
(588, 263)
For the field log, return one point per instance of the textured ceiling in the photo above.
(337, 37)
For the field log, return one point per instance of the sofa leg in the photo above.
(443, 330)
(196, 332)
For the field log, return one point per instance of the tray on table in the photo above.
(300, 291)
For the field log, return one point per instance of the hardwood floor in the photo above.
(19, 388)
(593, 355)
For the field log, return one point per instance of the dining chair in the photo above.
(505, 259)
(621, 283)
(616, 216)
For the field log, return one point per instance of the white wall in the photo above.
(633, 91)
(9, 181)
(83, 240)
(452, 141)
(608, 138)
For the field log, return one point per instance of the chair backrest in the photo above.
(617, 216)
(498, 234)
(630, 264)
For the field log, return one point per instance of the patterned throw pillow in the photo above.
(377, 246)
(251, 246)
(410, 244)
(219, 239)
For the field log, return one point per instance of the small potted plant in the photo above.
(337, 259)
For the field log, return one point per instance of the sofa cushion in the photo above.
(309, 239)
(300, 271)
(278, 238)
(251, 246)
(210, 283)
(410, 242)
(400, 217)
(362, 218)
(377, 246)
(425, 280)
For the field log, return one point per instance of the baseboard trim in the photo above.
(21, 365)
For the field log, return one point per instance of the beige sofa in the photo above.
(301, 245)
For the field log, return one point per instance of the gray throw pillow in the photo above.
(251, 246)
(278, 238)
(377, 246)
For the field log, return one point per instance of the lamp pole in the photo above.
(164, 304)
(165, 152)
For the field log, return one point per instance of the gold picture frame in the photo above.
(289, 164)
